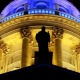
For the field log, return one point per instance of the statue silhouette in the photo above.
(43, 55)
(43, 38)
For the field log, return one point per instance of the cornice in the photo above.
(40, 19)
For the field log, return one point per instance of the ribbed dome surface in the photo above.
(20, 5)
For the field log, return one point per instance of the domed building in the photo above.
(22, 19)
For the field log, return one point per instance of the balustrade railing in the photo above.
(41, 11)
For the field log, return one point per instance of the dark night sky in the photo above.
(3, 3)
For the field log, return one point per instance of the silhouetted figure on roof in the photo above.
(43, 38)
(43, 55)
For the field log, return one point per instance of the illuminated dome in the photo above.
(19, 5)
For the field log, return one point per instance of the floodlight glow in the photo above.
(17, 5)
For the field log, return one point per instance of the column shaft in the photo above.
(6, 62)
(1, 51)
(25, 52)
(75, 62)
(26, 38)
(57, 55)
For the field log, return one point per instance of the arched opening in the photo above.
(41, 5)
(20, 8)
(63, 9)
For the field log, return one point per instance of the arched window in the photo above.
(41, 5)
(20, 8)
(63, 9)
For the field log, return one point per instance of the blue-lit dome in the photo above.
(20, 5)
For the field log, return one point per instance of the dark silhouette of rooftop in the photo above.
(41, 71)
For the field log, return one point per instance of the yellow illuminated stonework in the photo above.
(11, 36)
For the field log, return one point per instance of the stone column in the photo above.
(77, 53)
(75, 57)
(3, 49)
(57, 54)
(26, 34)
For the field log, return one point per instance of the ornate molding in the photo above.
(36, 19)
(57, 32)
(77, 49)
(25, 32)
(4, 46)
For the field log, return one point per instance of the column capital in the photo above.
(77, 48)
(4, 46)
(25, 32)
(57, 32)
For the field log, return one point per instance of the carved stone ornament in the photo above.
(77, 48)
(4, 46)
(57, 32)
(25, 32)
